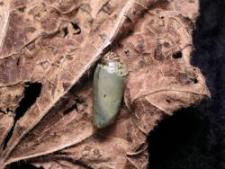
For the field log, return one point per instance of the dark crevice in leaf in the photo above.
(76, 28)
(73, 107)
(31, 93)
(22, 9)
(195, 80)
(65, 31)
(177, 55)
(22, 165)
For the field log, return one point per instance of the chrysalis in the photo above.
(109, 82)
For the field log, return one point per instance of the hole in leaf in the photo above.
(195, 80)
(73, 107)
(23, 165)
(21, 9)
(65, 30)
(31, 93)
(186, 79)
(177, 55)
(168, 101)
(18, 62)
(76, 28)
(126, 51)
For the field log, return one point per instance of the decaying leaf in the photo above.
(57, 43)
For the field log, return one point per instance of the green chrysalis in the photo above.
(109, 82)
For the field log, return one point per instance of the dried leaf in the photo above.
(56, 43)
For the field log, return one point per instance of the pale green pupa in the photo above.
(109, 83)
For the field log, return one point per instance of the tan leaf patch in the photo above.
(57, 44)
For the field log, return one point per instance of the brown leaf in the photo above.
(56, 71)
(6, 123)
(12, 96)
(56, 43)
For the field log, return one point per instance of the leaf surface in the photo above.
(57, 43)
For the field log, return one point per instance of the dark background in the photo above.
(194, 138)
